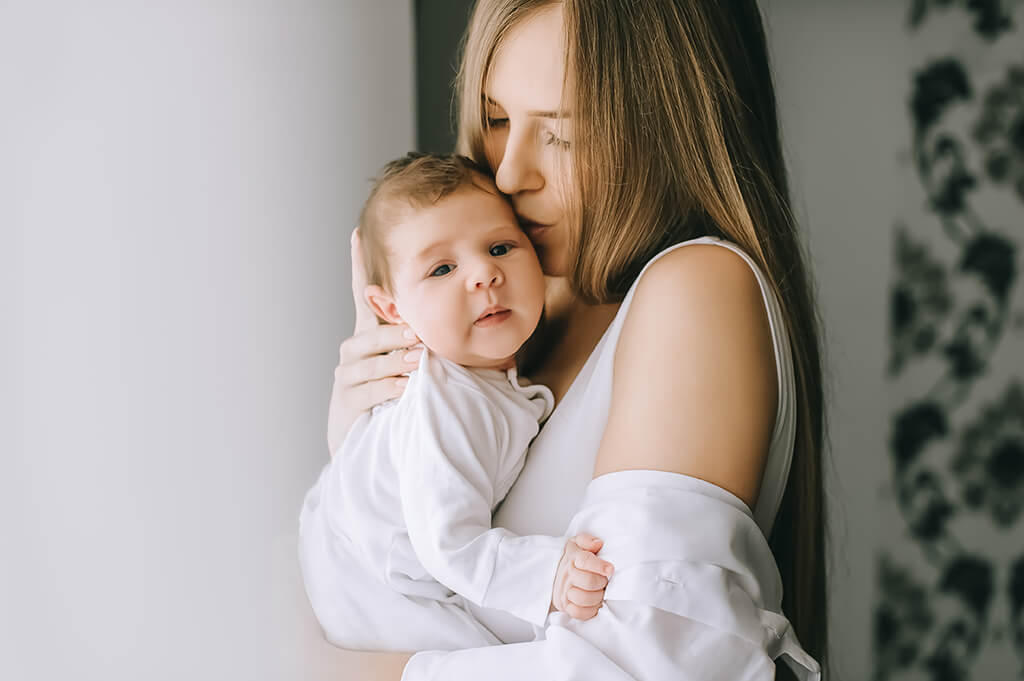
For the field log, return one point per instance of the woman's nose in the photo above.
(517, 168)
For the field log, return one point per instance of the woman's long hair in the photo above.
(676, 136)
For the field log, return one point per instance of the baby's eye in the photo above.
(441, 271)
(500, 249)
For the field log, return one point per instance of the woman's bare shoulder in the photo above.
(694, 387)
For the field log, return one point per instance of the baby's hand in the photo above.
(581, 578)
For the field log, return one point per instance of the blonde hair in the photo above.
(675, 136)
(404, 185)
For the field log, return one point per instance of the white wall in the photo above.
(842, 77)
(177, 186)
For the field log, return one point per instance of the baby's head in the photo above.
(445, 254)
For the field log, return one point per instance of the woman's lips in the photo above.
(535, 230)
(493, 319)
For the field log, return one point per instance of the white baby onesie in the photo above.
(408, 498)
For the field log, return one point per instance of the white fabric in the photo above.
(695, 595)
(685, 615)
(408, 499)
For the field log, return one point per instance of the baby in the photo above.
(409, 495)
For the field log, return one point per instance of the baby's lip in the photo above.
(491, 310)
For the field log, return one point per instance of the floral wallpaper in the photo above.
(950, 579)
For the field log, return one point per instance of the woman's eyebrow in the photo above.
(538, 113)
(550, 114)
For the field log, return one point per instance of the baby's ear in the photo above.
(383, 305)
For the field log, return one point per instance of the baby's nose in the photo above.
(486, 277)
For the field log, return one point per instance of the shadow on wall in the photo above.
(439, 28)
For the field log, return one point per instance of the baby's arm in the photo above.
(450, 448)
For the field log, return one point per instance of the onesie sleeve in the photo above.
(453, 443)
(695, 595)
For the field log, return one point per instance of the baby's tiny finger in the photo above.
(579, 613)
(588, 542)
(591, 563)
(587, 580)
(585, 599)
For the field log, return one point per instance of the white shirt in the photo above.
(408, 498)
(696, 593)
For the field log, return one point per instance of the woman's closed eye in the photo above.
(496, 122)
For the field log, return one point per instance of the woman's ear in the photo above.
(383, 305)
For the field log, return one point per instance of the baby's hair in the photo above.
(413, 182)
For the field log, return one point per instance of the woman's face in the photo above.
(528, 136)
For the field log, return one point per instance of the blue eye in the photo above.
(439, 273)
(504, 248)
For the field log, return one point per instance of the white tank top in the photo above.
(560, 463)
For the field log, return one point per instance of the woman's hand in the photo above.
(366, 374)
(581, 578)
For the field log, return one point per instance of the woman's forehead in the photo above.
(528, 67)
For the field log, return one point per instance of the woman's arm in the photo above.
(695, 378)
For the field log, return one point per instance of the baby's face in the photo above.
(466, 278)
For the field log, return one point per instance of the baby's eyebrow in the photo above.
(427, 250)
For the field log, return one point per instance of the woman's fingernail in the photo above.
(413, 356)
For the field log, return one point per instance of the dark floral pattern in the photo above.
(991, 17)
(999, 130)
(968, 583)
(957, 466)
(1016, 589)
(941, 84)
(918, 303)
(991, 258)
(902, 619)
(990, 460)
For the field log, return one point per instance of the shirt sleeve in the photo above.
(695, 595)
(453, 444)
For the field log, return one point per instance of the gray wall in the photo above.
(177, 186)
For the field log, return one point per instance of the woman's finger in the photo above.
(376, 341)
(365, 318)
(367, 395)
(377, 367)
(591, 563)
(587, 580)
(584, 599)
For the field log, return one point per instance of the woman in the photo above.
(641, 138)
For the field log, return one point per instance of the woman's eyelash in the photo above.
(496, 122)
(551, 138)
